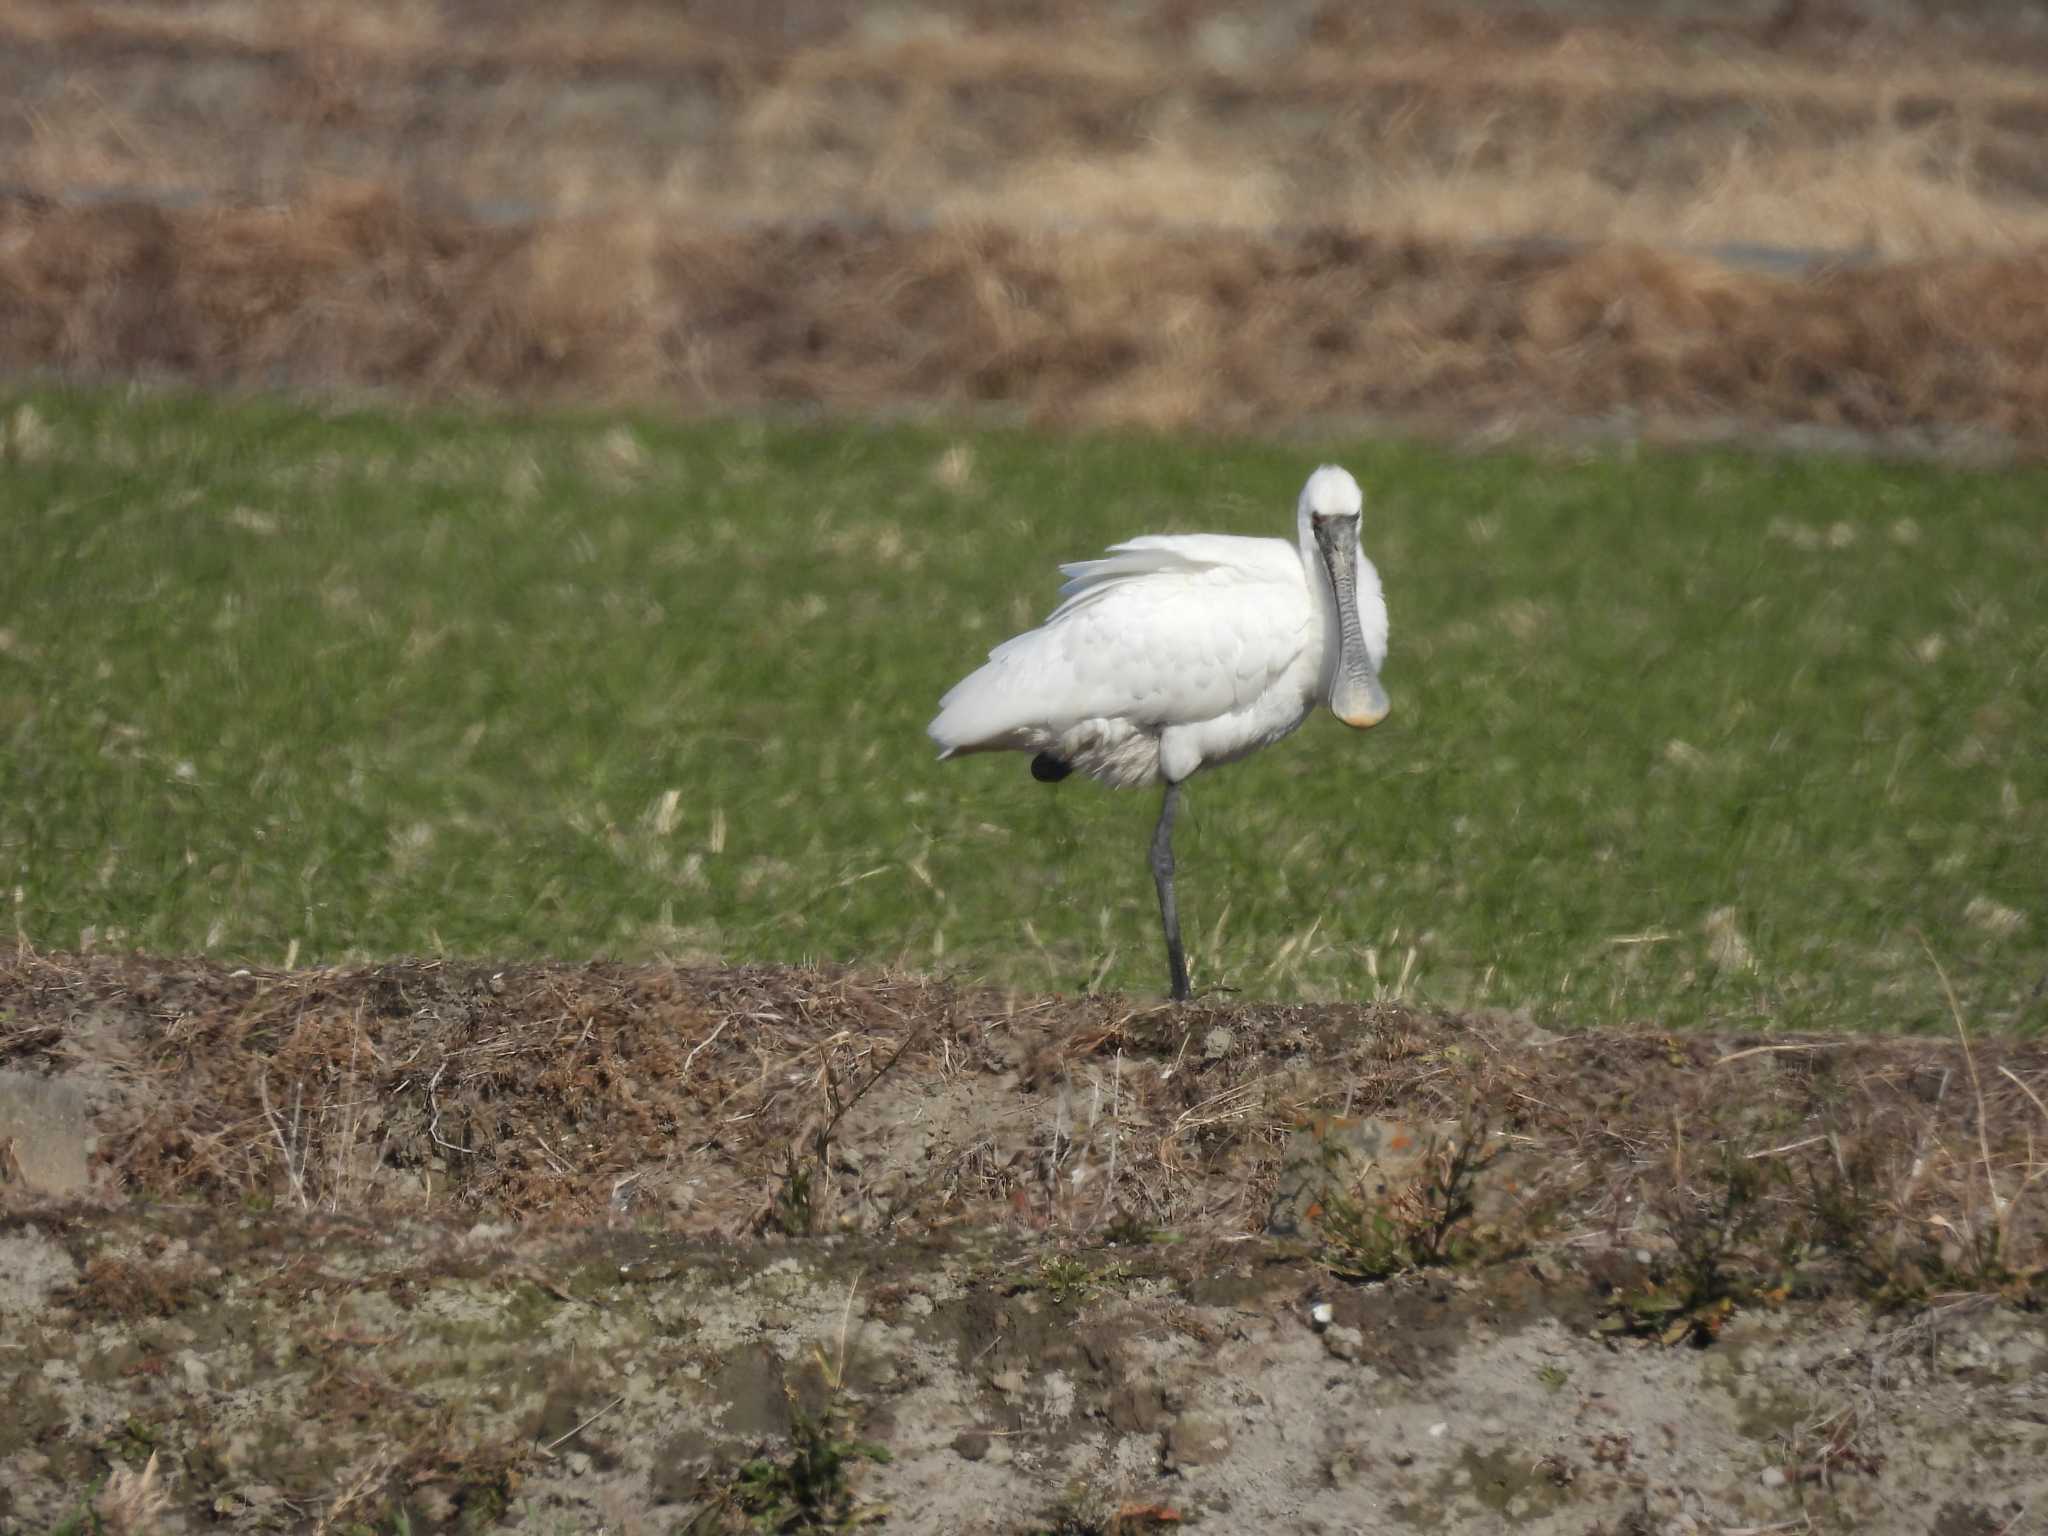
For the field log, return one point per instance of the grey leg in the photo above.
(1162, 877)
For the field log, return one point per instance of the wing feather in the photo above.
(1162, 630)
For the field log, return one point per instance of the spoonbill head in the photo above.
(1329, 513)
(1174, 653)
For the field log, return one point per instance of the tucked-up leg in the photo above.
(1162, 877)
(1048, 769)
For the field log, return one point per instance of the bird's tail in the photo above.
(983, 713)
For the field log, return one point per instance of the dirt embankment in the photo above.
(648, 1247)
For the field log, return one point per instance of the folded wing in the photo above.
(1162, 630)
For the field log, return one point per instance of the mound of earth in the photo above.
(437, 1246)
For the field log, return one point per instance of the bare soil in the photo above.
(644, 1247)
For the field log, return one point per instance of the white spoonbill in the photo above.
(1179, 652)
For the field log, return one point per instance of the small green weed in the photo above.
(792, 1212)
(82, 1521)
(1360, 1241)
(134, 1444)
(1129, 1231)
(809, 1489)
(1423, 1225)
(1065, 1278)
(1713, 1266)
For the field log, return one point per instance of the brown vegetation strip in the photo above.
(1172, 329)
(707, 1101)
(1801, 49)
(1416, 121)
(1845, 127)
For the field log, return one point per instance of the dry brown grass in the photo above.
(132, 1290)
(1844, 130)
(357, 291)
(674, 1097)
(1803, 49)
(1078, 223)
(133, 1501)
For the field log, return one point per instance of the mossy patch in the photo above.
(1511, 1483)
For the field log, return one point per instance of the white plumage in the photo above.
(1173, 653)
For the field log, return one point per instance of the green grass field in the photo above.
(1687, 738)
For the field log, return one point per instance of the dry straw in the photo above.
(550, 1093)
(355, 291)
